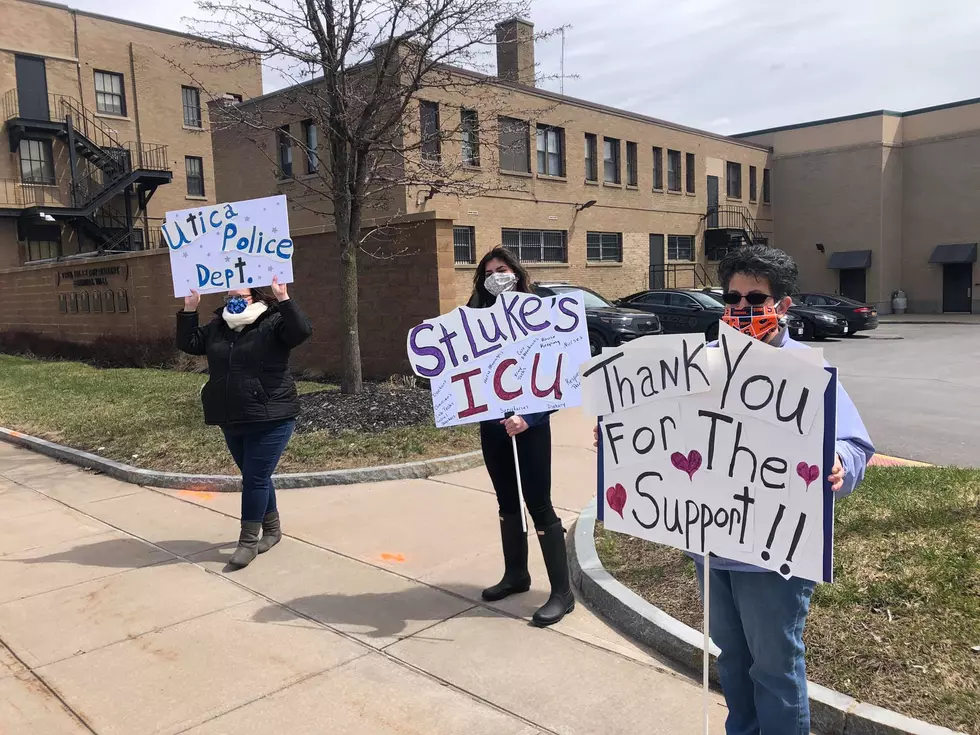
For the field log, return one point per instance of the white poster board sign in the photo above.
(522, 355)
(234, 245)
(721, 450)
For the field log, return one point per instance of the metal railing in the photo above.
(681, 275)
(732, 218)
(16, 194)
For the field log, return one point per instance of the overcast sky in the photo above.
(733, 65)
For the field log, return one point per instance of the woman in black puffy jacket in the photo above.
(250, 394)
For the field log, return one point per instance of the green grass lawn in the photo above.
(153, 419)
(898, 626)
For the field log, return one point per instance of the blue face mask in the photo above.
(236, 304)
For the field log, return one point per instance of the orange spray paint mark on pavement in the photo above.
(399, 558)
(197, 492)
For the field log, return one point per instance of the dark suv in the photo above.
(609, 326)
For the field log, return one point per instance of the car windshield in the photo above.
(705, 299)
(797, 302)
(592, 299)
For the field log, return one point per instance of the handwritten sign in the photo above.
(521, 355)
(221, 247)
(718, 449)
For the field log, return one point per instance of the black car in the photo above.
(859, 316)
(681, 311)
(609, 325)
(817, 323)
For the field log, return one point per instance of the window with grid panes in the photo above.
(43, 249)
(752, 184)
(110, 99)
(690, 172)
(536, 246)
(734, 180)
(284, 144)
(551, 151)
(631, 172)
(514, 145)
(464, 245)
(591, 157)
(431, 139)
(310, 139)
(191, 98)
(36, 162)
(194, 168)
(766, 186)
(610, 161)
(658, 167)
(604, 247)
(674, 170)
(680, 247)
(470, 125)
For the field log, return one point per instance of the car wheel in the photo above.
(807, 332)
(711, 333)
(596, 343)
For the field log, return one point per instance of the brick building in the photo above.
(872, 203)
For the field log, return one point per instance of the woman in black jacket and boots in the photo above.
(498, 272)
(250, 394)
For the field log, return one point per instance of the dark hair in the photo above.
(481, 297)
(264, 296)
(761, 261)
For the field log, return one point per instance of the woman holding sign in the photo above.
(500, 272)
(250, 394)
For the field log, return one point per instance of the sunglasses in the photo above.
(754, 298)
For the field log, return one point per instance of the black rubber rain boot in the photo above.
(516, 579)
(562, 601)
(248, 543)
(271, 532)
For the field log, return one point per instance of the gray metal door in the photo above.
(32, 87)
(957, 287)
(656, 261)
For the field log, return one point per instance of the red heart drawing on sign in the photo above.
(809, 472)
(689, 464)
(616, 498)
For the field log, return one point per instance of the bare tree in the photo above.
(359, 70)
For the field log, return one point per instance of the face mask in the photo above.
(755, 321)
(236, 304)
(498, 283)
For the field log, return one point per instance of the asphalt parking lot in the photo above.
(919, 395)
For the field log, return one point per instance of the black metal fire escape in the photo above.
(727, 228)
(101, 170)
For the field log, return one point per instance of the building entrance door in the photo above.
(957, 287)
(854, 284)
(712, 219)
(657, 261)
(32, 88)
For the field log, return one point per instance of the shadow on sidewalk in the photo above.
(376, 614)
(117, 553)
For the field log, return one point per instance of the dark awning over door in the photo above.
(959, 253)
(844, 259)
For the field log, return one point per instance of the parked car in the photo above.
(817, 323)
(860, 317)
(680, 310)
(609, 325)
(796, 323)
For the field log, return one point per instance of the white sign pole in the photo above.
(707, 636)
(520, 484)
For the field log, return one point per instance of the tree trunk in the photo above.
(350, 343)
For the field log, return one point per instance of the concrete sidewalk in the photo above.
(116, 615)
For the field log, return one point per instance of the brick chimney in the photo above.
(515, 51)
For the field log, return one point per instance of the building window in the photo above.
(690, 172)
(96, 302)
(536, 246)
(284, 145)
(551, 151)
(109, 95)
(122, 301)
(310, 140)
(658, 168)
(470, 124)
(42, 249)
(591, 157)
(194, 168)
(680, 247)
(604, 247)
(73, 303)
(36, 162)
(610, 161)
(734, 180)
(766, 186)
(191, 97)
(674, 170)
(109, 302)
(431, 139)
(84, 303)
(464, 245)
(515, 154)
(631, 173)
(752, 184)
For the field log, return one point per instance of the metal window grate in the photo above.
(464, 245)
(604, 247)
(191, 98)
(536, 246)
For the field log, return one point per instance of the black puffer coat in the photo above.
(249, 378)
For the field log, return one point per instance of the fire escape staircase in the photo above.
(726, 228)
(102, 169)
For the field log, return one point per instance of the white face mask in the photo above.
(498, 283)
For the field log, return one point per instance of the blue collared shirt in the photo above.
(853, 445)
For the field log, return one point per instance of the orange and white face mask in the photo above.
(755, 321)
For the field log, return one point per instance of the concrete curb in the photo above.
(230, 483)
(831, 712)
(961, 323)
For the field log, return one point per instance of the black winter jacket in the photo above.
(249, 379)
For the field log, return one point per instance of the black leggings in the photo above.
(534, 452)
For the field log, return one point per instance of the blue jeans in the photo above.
(757, 619)
(257, 453)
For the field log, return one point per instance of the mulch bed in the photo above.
(379, 408)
